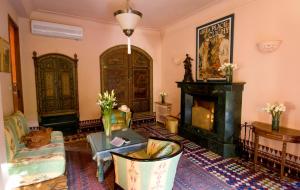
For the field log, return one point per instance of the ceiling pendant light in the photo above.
(128, 19)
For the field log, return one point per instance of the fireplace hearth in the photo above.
(211, 114)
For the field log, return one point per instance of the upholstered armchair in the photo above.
(153, 168)
(120, 119)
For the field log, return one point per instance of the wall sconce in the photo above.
(268, 46)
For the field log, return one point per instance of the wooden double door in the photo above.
(130, 75)
(57, 94)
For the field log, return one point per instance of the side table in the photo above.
(283, 134)
(162, 111)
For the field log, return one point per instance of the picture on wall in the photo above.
(4, 56)
(214, 47)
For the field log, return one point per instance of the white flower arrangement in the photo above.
(106, 101)
(227, 68)
(163, 93)
(275, 109)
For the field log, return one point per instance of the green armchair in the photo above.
(153, 168)
(120, 119)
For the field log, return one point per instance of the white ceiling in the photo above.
(156, 13)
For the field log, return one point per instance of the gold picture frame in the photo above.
(214, 48)
(4, 56)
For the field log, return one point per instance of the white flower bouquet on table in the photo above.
(106, 101)
(275, 110)
(227, 68)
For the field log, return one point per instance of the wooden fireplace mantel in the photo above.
(227, 116)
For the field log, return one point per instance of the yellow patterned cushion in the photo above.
(164, 151)
(154, 146)
(141, 154)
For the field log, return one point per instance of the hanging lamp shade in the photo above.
(128, 19)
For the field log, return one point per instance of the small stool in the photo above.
(172, 124)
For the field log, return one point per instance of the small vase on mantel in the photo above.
(275, 123)
(229, 78)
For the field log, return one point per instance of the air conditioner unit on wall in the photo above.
(56, 30)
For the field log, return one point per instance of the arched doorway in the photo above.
(130, 75)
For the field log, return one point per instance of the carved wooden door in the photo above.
(129, 75)
(56, 83)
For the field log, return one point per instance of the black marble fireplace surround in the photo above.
(227, 98)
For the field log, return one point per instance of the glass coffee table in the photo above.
(101, 147)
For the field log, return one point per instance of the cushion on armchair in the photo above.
(141, 154)
(164, 151)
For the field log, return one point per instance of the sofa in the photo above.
(31, 166)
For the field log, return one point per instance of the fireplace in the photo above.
(211, 115)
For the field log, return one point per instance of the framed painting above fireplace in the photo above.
(214, 47)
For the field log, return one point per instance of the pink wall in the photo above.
(269, 77)
(5, 78)
(6, 103)
(97, 38)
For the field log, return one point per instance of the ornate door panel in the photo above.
(141, 82)
(115, 72)
(47, 86)
(129, 75)
(66, 85)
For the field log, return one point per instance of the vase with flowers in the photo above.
(106, 102)
(163, 95)
(275, 110)
(227, 69)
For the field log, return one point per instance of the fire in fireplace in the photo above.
(203, 113)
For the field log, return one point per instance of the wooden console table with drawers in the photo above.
(285, 135)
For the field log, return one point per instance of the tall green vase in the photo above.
(275, 123)
(106, 119)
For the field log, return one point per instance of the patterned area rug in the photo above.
(81, 172)
(235, 172)
(82, 175)
(198, 168)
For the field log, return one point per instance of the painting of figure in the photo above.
(4, 56)
(214, 47)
